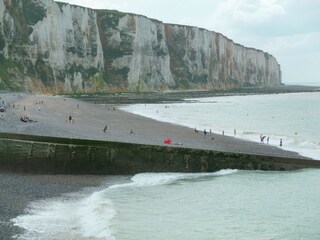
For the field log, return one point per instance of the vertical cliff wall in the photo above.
(46, 46)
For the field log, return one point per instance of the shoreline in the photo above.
(179, 96)
(159, 114)
(49, 115)
(17, 191)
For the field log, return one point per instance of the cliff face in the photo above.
(47, 46)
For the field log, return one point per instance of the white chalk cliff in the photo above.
(56, 47)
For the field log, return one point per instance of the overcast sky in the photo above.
(287, 29)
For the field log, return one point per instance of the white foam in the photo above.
(95, 216)
(156, 179)
(82, 216)
(69, 217)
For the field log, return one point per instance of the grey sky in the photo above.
(287, 29)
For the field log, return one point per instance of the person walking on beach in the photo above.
(105, 128)
(70, 118)
(280, 142)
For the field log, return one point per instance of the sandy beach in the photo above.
(48, 116)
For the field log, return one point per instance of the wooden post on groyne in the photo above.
(53, 155)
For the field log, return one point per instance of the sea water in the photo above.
(228, 204)
(294, 118)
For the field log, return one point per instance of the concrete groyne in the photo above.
(52, 155)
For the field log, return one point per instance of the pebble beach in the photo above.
(49, 116)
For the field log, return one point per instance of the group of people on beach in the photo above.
(25, 118)
(205, 132)
(262, 137)
(105, 130)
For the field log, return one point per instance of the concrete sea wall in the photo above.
(51, 155)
